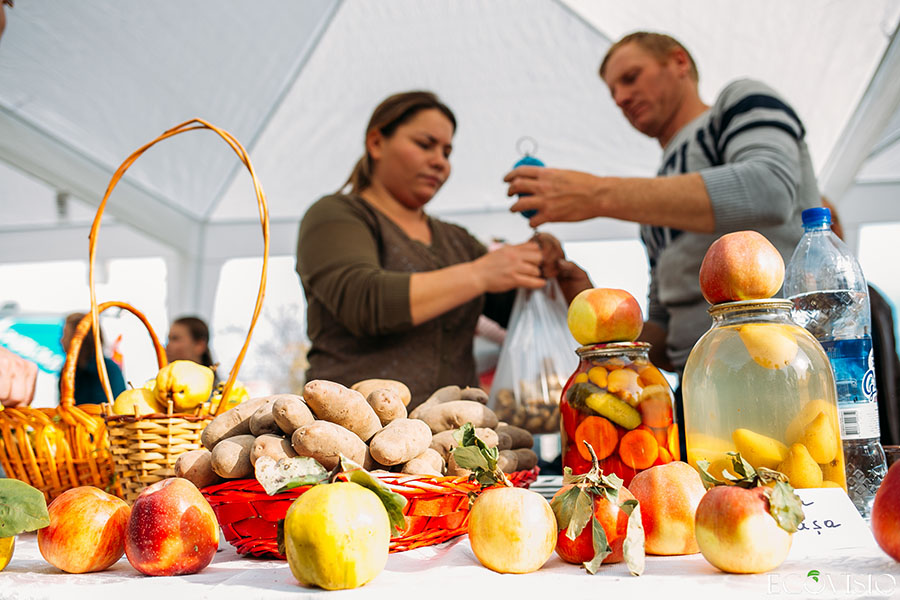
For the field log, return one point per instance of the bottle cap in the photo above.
(816, 216)
(529, 161)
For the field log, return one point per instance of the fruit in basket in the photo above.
(669, 495)
(886, 513)
(598, 520)
(236, 396)
(137, 400)
(511, 530)
(337, 536)
(22, 508)
(604, 315)
(172, 529)
(746, 526)
(186, 383)
(86, 531)
(742, 265)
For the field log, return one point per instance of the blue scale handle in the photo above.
(528, 161)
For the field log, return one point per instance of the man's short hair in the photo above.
(659, 45)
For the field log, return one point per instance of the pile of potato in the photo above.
(367, 423)
(537, 406)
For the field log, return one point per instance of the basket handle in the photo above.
(263, 219)
(67, 383)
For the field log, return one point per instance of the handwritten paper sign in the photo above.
(831, 523)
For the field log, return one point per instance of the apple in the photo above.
(172, 529)
(742, 265)
(886, 513)
(86, 531)
(669, 495)
(601, 315)
(614, 522)
(736, 532)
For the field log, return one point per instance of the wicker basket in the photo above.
(437, 510)
(145, 448)
(56, 449)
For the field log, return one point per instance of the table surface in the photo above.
(444, 571)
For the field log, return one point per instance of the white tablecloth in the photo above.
(450, 570)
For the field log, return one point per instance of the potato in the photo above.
(527, 459)
(429, 462)
(521, 438)
(387, 405)
(196, 467)
(401, 441)
(232, 422)
(324, 441)
(263, 421)
(474, 394)
(342, 406)
(231, 457)
(273, 446)
(454, 414)
(508, 461)
(450, 393)
(367, 386)
(504, 441)
(444, 441)
(291, 413)
(454, 470)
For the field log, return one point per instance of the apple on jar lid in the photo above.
(602, 315)
(743, 265)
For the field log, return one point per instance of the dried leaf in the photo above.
(602, 548)
(22, 508)
(633, 548)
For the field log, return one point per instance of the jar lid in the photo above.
(611, 348)
(726, 307)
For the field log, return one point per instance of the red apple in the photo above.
(614, 522)
(737, 533)
(604, 315)
(742, 265)
(86, 531)
(886, 513)
(172, 530)
(669, 495)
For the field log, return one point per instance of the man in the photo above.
(739, 164)
(4, 3)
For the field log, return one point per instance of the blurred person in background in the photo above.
(189, 340)
(88, 389)
(393, 293)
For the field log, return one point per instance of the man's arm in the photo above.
(679, 201)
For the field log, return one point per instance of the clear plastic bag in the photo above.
(538, 355)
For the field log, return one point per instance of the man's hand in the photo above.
(17, 377)
(556, 194)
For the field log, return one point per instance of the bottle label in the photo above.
(853, 363)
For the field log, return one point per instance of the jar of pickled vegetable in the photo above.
(622, 405)
(761, 385)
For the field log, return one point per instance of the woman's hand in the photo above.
(17, 377)
(510, 267)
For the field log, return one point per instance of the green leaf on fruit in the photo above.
(786, 507)
(22, 508)
(581, 514)
(633, 548)
(288, 473)
(744, 470)
(601, 545)
(563, 506)
(473, 454)
(393, 502)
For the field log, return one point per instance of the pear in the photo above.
(771, 345)
(820, 439)
(834, 471)
(138, 401)
(759, 450)
(800, 468)
(186, 383)
(805, 416)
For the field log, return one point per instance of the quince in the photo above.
(138, 401)
(237, 395)
(186, 383)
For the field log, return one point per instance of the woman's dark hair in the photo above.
(390, 114)
(87, 354)
(199, 332)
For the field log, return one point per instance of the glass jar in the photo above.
(622, 405)
(761, 385)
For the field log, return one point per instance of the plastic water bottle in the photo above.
(831, 300)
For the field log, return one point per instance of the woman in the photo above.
(189, 340)
(392, 292)
(88, 389)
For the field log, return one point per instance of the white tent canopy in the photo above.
(83, 84)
